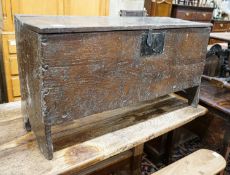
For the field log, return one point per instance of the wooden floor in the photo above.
(90, 140)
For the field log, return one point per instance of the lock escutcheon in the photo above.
(152, 43)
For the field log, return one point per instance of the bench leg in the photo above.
(193, 95)
(137, 157)
(169, 147)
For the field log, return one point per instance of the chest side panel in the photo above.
(87, 73)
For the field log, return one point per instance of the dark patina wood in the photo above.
(193, 13)
(214, 128)
(72, 67)
(216, 97)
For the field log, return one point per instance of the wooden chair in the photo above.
(203, 161)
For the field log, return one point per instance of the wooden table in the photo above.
(216, 97)
(90, 143)
(214, 128)
(217, 100)
(224, 36)
(221, 36)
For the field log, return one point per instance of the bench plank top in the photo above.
(205, 162)
(89, 140)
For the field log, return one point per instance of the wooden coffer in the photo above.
(72, 67)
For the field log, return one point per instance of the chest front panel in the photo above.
(87, 73)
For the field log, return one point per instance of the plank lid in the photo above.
(69, 24)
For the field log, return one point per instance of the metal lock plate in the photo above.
(152, 43)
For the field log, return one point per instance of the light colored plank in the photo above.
(97, 138)
(201, 162)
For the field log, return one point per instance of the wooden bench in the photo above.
(201, 162)
(93, 142)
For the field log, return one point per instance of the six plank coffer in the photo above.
(72, 67)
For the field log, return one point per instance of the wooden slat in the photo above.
(205, 162)
(12, 46)
(16, 86)
(96, 138)
(13, 65)
(6, 36)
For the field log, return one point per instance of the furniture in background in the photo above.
(2, 88)
(192, 13)
(222, 53)
(54, 7)
(158, 7)
(10, 66)
(188, 2)
(213, 128)
(215, 96)
(41, 7)
(219, 26)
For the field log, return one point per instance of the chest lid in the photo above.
(71, 24)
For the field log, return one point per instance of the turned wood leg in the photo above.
(137, 157)
(193, 95)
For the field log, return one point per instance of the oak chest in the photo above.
(72, 67)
